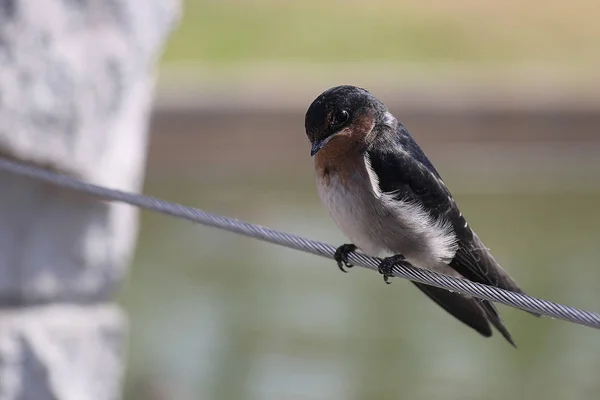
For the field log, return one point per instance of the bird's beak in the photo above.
(316, 146)
(319, 144)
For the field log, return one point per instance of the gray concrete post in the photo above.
(76, 84)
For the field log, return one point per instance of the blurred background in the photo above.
(503, 96)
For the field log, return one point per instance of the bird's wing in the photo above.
(409, 175)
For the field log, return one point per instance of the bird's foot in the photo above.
(387, 265)
(341, 256)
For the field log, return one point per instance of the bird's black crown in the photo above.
(337, 108)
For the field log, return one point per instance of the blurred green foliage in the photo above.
(464, 31)
(220, 316)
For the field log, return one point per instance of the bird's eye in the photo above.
(341, 117)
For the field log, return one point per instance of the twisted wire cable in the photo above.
(402, 270)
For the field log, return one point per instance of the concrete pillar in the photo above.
(76, 84)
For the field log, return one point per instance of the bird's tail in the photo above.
(473, 312)
(502, 279)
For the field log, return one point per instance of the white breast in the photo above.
(380, 225)
(348, 210)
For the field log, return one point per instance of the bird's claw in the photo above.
(386, 266)
(341, 256)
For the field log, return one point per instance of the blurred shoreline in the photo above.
(410, 86)
(531, 133)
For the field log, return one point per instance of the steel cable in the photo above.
(406, 271)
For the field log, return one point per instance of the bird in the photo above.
(388, 199)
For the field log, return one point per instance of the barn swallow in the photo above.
(386, 196)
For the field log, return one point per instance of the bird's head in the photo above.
(343, 112)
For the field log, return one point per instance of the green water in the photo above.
(219, 316)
